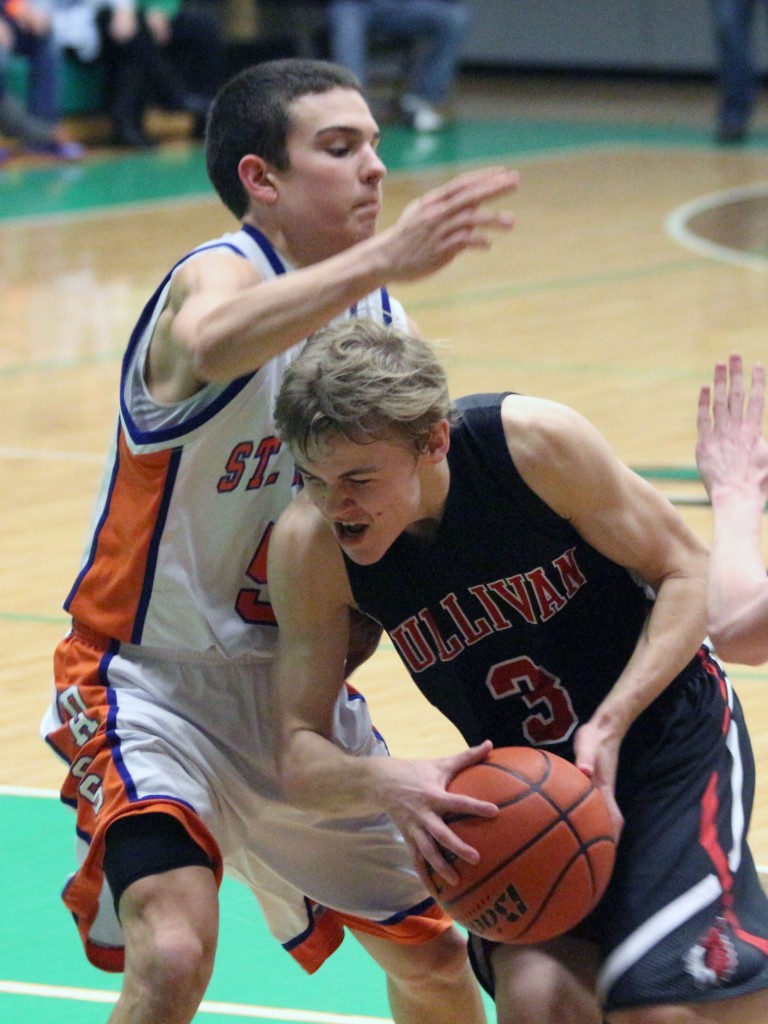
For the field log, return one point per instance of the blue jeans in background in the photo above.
(438, 25)
(733, 21)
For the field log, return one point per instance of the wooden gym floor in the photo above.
(639, 259)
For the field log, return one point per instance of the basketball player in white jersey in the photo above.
(163, 693)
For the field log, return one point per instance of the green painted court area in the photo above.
(45, 977)
(174, 173)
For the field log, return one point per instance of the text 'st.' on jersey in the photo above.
(177, 553)
(508, 620)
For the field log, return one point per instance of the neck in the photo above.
(435, 484)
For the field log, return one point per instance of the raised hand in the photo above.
(731, 451)
(436, 227)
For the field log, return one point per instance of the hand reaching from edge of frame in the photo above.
(731, 452)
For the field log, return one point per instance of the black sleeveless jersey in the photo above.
(508, 621)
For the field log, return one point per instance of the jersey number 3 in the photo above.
(554, 719)
(248, 605)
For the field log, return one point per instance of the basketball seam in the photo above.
(583, 849)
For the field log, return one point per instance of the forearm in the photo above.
(238, 336)
(671, 636)
(738, 585)
(317, 775)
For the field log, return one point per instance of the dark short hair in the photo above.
(250, 115)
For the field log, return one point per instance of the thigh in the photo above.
(412, 961)
(684, 919)
(547, 982)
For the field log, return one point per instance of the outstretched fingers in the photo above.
(704, 415)
(756, 400)
(476, 186)
(735, 390)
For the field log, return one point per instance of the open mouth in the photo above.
(348, 531)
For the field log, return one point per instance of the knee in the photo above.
(547, 1004)
(183, 958)
(442, 961)
(537, 989)
(169, 949)
(170, 971)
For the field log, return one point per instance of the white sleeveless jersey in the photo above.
(177, 554)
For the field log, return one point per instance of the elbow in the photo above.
(292, 784)
(213, 349)
(288, 788)
(207, 364)
(738, 645)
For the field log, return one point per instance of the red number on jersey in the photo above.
(248, 605)
(555, 718)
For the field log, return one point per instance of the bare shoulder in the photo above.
(301, 526)
(303, 548)
(219, 270)
(536, 428)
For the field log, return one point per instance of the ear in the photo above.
(439, 442)
(257, 178)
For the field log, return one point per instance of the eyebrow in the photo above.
(357, 471)
(345, 129)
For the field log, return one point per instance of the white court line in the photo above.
(676, 226)
(54, 794)
(51, 794)
(91, 995)
(49, 455)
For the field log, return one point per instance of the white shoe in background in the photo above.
(420, 114)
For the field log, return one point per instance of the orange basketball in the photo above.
(545, 859)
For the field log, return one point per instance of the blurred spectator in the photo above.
(737, 77)
(26, 31)
(159, 52)
(437, 27)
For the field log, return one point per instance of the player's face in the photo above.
(330, 196)
(371, 493)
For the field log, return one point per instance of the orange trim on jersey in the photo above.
(321, 941)
(327, 932)
(81, 895)
(416, 928)
(109, 593)
(96, 787)
(90, 636)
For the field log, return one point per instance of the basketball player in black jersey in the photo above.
(539, 593)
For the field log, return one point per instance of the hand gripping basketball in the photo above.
(545, 859)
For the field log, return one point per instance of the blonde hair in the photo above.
(365, 381)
